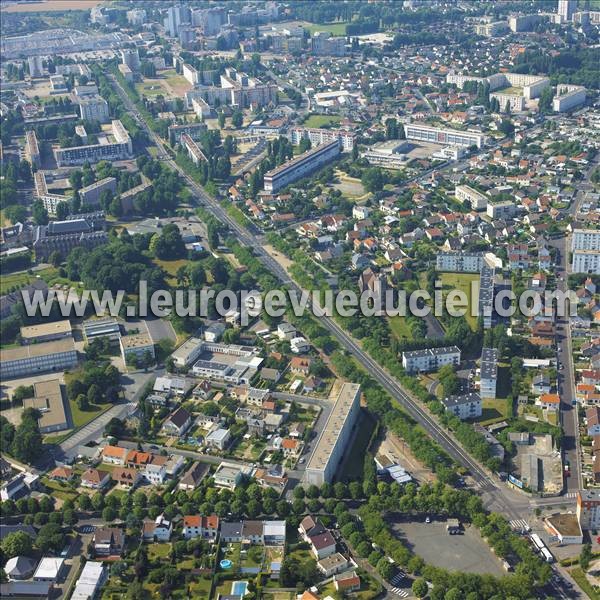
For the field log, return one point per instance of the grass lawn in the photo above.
(463, 282)
(493, 411)
(158, 552)
(200, 588)
(333, 28)
(8, 281)
(151, 89)
(400, 328)
(321, 120)
(170, 267)
(83, 417)
(63, 492)
(579, 576)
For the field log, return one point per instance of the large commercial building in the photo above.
(332, 443)
(436, 135)
(46, 332)
(323, 136)
(477, 200)
(131, 58)
(568, 97)
(92, 578)
(48, 400)
(110, 147)
(301, 166)
(463, 406)
(91, 193)
(36, 66)
(488, 373)
(93, 108)
(38, 358)
(430, 359)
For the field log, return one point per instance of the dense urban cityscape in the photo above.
(300, 300)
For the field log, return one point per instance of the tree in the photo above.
(391, 129)
(17, 543)
(385, 568)
(221, 120)
(40, 214)
(94, 394)
(62, 211)
(15, 213)
(50, 538)
(419, 588)
(109, 514)
(82, 402)
(237, 119)
(585, 557)
(373, 179)
(55, 258)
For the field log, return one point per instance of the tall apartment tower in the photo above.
(566, 8)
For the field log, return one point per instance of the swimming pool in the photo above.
(239, 588)
(225, 563)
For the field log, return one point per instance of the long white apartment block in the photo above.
(116, 147)
(318, 136)
(477, 199)
(301, 166)
(438, 135)
(333, 441)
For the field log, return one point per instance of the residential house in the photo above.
(62, 474)
(199, 526)
(550, 401)
(332, 564)
(292, 448)
(156, 471)
(194, 475)
(540, 384)
(125, 477)
(346, 583)
(95, 479)
(177, 423)
(218, 438)
(114, 455)
(108, 541)
(592, 416)
(300, 365)
(159, 530)
(232, 532)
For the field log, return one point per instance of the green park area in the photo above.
(322, 120)
(333, 28)
(464, 283)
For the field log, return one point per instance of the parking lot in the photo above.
(467, 552)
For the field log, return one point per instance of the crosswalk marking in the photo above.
(571, 495)
(519, 525)
(399, 592)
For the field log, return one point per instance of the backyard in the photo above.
(468, 283)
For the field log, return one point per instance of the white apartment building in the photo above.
(319, 136)
(488, 373)
(437, 135)
(91, 193)
(93, 108)
(588, 508)
(301, 166)
(585, 239)
(477, 200)
(465, 406)
(116, 147)
(32, 149)
(586, 261)
(459, 262)
(501, 210)
(568, 97)
(430, 359)
(193, 150)
(331, 445)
